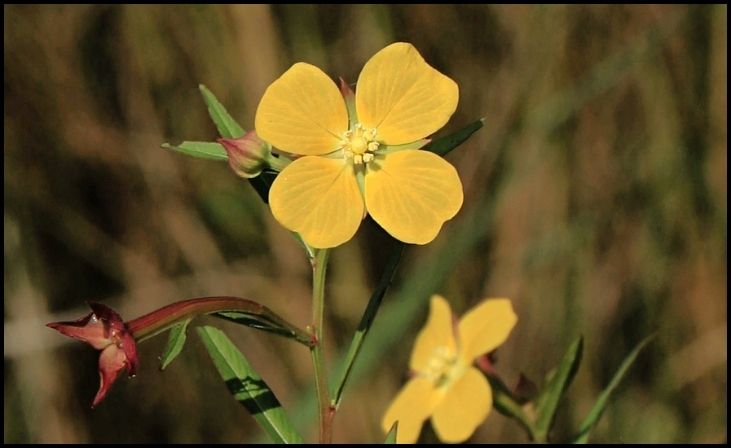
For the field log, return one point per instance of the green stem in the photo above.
(277, 163)
(319, 270)
(507, 405)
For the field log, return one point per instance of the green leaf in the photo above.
(369, 314)
(445, 144)
(266, 320)
(229, 128)
(226, 125)
(413, 145)
(247, 386)
(176, 341)
(202, 150)
(601, 403)
(556, 386)
(391, 436)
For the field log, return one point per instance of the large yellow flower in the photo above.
(446, 387)
(362, 158)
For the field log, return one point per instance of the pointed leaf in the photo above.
(229, 128)
(445, 144)
(556, 386)
(601, 403)
(368, 315)
(225, 124)
(413, 145)
(391, 436)
(202, 150)
(247, 386)
(267, 321)
(176, 341)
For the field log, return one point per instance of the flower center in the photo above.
(442, 366)
(359, 144)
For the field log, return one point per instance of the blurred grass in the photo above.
(595, 198)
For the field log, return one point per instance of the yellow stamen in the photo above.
(359, 144)
(443, 367)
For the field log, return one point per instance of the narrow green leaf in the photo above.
(247, 386)
(202, 150)
(368, 315)
(176, 341)
(418, 144)
(391, 436)
(227, 126)
(266, 321)
(445, 144)
(601, 403)
(555, 387)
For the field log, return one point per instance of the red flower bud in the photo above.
(247, 155)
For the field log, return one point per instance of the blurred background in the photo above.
(595, 198)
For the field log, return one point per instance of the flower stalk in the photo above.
(105, 330)
(326, 410)
(155, 322)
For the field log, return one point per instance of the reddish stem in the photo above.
(163, 318)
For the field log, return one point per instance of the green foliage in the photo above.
(226, 125)
(201, 150)
(601, 403)
(444, 145)
(392, 434)
(368, 316)
(247, 386)
(176, 341)
(265, 320)
(507, 405)
(556, 386)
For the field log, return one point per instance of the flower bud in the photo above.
(247, 155)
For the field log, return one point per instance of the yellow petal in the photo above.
(414, 404)
(302, 112)
(436, 338)
(412, 193)
(465, 405)
(402, 96)
(318, 198)
(485, 327)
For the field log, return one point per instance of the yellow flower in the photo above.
(446, 387)
(363, 158)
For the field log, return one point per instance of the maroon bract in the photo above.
(104, 330)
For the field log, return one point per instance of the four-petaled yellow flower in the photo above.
(363, 158)
(446, 386)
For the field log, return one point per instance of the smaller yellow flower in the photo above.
(446, 387)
